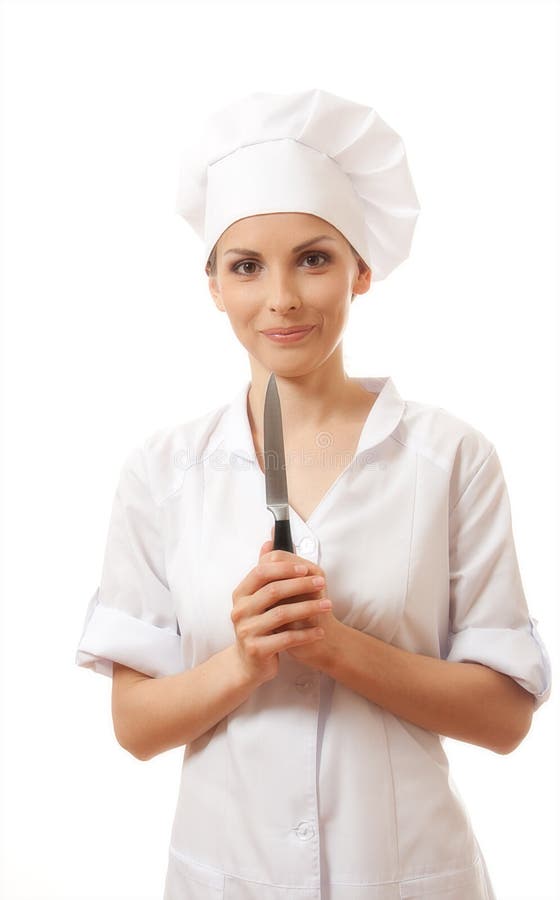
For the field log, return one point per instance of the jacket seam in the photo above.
(471, 480)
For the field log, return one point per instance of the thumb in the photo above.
(266, 548)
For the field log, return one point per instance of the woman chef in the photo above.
(313, 764)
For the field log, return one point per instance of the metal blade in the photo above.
(274, 461)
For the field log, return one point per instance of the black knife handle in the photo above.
(283, 536)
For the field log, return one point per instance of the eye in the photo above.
(325, 257)
(244, 262)
(250, 262)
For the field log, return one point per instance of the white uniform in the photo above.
(308, 789)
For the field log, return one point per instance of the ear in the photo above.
(215, 292)
(362, 282)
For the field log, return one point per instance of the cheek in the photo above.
(335, 312)
(240, 308)
(244, 323)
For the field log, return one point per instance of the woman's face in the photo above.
(263, 282)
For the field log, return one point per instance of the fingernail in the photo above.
(318, 579)
(325, 604)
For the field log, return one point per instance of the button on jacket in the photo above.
(308, 789)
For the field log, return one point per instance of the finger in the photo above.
(267, 570)
(270, 583)
(266, 548)
(270, 556)
(303, 614)
(285, 592)
(282, 640)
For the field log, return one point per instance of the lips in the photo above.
(294, 330)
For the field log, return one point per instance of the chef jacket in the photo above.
(308, 789)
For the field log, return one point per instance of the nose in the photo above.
(283, 296)
(282, 305)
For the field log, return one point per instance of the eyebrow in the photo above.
(319, 237)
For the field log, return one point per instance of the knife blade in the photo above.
(275, 468)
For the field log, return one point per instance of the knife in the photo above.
(275, 468)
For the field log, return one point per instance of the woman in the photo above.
(313, 762)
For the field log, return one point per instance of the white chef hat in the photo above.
(309, 151)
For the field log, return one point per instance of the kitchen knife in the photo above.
(275, 468)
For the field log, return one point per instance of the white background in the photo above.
(110, 332)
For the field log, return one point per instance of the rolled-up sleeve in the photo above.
(130, 617)
(489, 620)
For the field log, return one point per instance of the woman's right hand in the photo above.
(259, 610)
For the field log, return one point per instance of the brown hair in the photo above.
(211, 265)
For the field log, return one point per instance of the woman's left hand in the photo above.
(315, 653)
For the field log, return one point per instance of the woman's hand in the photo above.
(315, 653)
(265, 616)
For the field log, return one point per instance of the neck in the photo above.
(309, 401)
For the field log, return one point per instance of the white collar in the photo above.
(233, 430)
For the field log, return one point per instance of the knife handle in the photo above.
(283, 536)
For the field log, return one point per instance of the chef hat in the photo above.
(312, 152)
